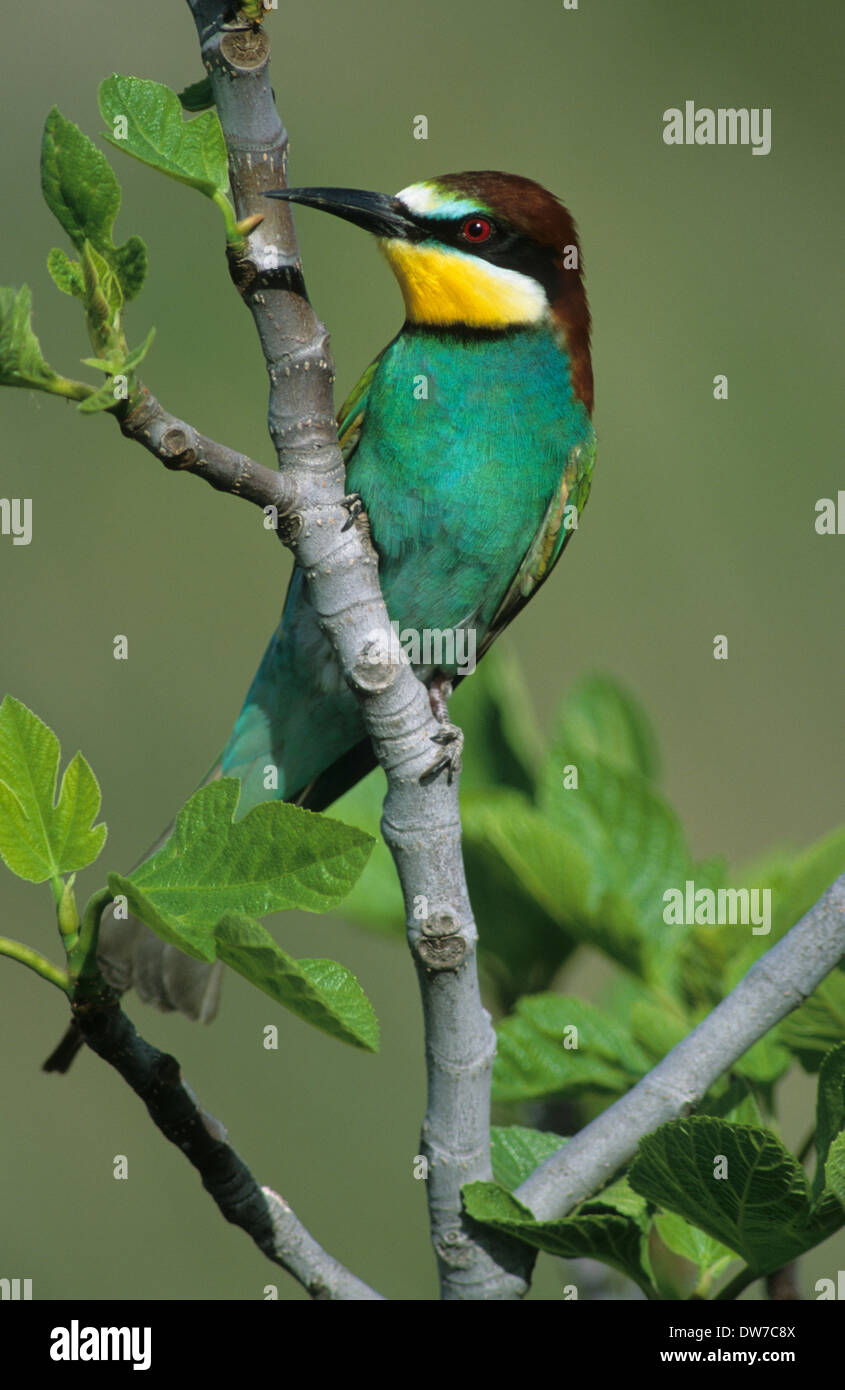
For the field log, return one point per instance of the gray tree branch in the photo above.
(182, 448)
(156, 1077)
(779, 981)
(420, 823)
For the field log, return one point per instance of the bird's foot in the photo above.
(354, 504)
(438, 695)
(448, 735)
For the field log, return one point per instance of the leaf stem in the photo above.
(234, 237)
(16, 950)
(67, 387)
(82, 959)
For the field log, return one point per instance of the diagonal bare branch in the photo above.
(156, 1077)
(774, 986)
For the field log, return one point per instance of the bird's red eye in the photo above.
(476, 229)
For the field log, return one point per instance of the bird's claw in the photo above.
(447, 734)
(354, 504)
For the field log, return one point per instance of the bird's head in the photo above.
(479, 251)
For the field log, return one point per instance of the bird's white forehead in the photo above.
(430, 200)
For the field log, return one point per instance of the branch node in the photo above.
(289, 527)
(454, 1248)
(245, 49)
(179, 443)
(374, 671)
(440, 944)
(142, 414)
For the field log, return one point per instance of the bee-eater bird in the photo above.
(470, 486)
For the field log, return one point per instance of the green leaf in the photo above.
(503, 744)
(797, 882)
(830, 1111)
(522, 945)
(635, 849)
(602, 719)
(101, 283)
(122, 364)
(78, 183)
(706, 950)
(554, 1045)
(550, 866)
(657, 1028)
(278, 856)
(614, 1240)
(811, 1031)
(375, 901)
(710, 1257)
(80, 188)
(131, 262)
(322, 992)
(40, 840)
(103, 303)
(516, 1151)
(193, 152)
(137, 355)
(21, 362)
(834, 1170)
(766, 1061)
(619, 1196)
(254, 10)
(729, 1180)
(629, 836)
(733, 1101)
(67, 274)
(197, 96)
(103, 399)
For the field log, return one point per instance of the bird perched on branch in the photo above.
(470, 444)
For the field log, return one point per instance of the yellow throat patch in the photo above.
(443, 286)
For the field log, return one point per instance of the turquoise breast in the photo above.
(465, 441)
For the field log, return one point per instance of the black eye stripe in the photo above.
(503, 247)
(450, 228)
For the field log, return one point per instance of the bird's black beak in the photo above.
(378, 213)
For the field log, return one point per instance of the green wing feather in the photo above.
(550, 541)
(350, 417)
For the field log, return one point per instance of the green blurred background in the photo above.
(699, 261)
